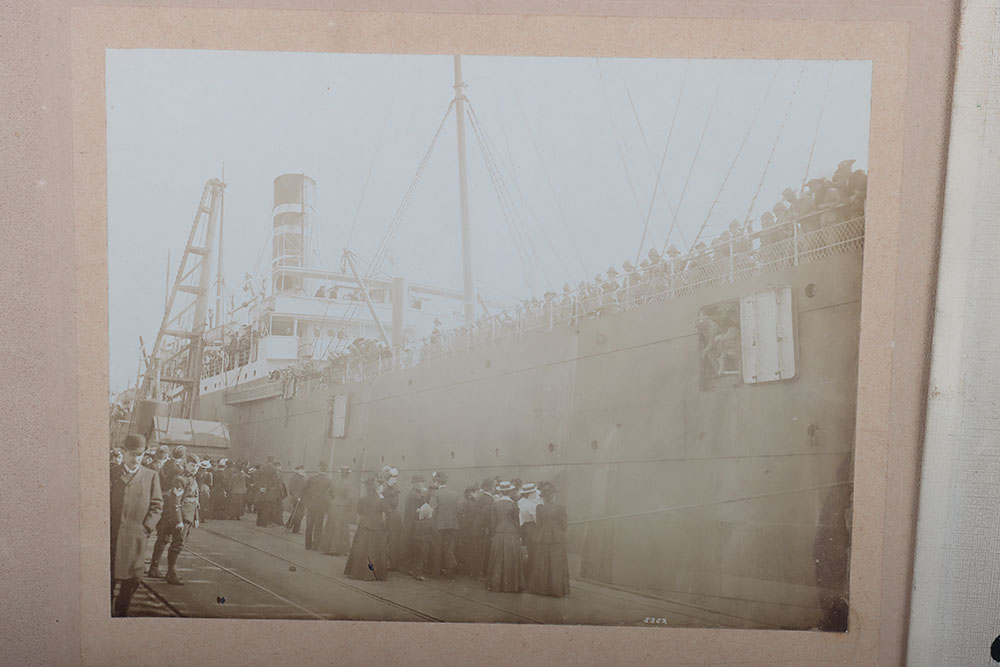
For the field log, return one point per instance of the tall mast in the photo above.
(469, 297)
(220, 315)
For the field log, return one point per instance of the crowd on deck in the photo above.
(795, 224)
(509, 534)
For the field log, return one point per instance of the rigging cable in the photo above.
(383, 248)
(770, 157)
(479, 128)
(694, 160)
(552, 189)
(618, 139)
(642, 133)
(739, 151)
(507, 204)
(364, 189)
(659, 172)
(819, 124)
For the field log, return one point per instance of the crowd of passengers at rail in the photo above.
(508, 534)
(797, 223)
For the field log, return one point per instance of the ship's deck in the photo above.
(234, 569)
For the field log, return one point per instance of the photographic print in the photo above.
(497, 339)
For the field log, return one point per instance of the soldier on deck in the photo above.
(699, 260)
(858, 190)
(842, 177)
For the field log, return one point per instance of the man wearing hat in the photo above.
(315, 500)
(842, 177)
(444, 503)
(180, 512)
(411, 503)
(296, 486)
(393, 520)
(136, 503)
(173, 465)
(269, 488)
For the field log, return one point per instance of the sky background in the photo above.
(578, 144)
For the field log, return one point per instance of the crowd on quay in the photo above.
(508, 534)
(169, 492)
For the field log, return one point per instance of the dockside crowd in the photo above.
(508, 534)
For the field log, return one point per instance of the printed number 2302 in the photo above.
(657, 621)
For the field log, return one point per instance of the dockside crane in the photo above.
(176, 361)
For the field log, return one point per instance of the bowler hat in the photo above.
(134, 443)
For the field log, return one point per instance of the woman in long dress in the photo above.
(505, 570)
(367, 559)
(550, 572)
(335, 539)
(394, 521)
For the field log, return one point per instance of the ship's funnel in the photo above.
(293, 213)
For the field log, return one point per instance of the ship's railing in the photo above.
(816, 236)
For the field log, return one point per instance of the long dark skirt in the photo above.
(408, 545)
(480, 555)
(219, 500)
(394, 543)
(505, 571)
(529, 540)
(237, 503)
(550, 571)
(367, 558)
(336, 538)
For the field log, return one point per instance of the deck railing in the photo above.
(770, 250)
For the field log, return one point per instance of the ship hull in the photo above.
(712, 496)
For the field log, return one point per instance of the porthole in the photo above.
(593, 444)
(552, 447)
(811, 290)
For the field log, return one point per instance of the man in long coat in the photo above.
(444, 503)
(314, 497)
(136, 503)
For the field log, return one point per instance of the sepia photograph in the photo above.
(484, 339)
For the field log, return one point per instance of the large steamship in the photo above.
(697, 413)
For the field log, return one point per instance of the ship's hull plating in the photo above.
(707, 495)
